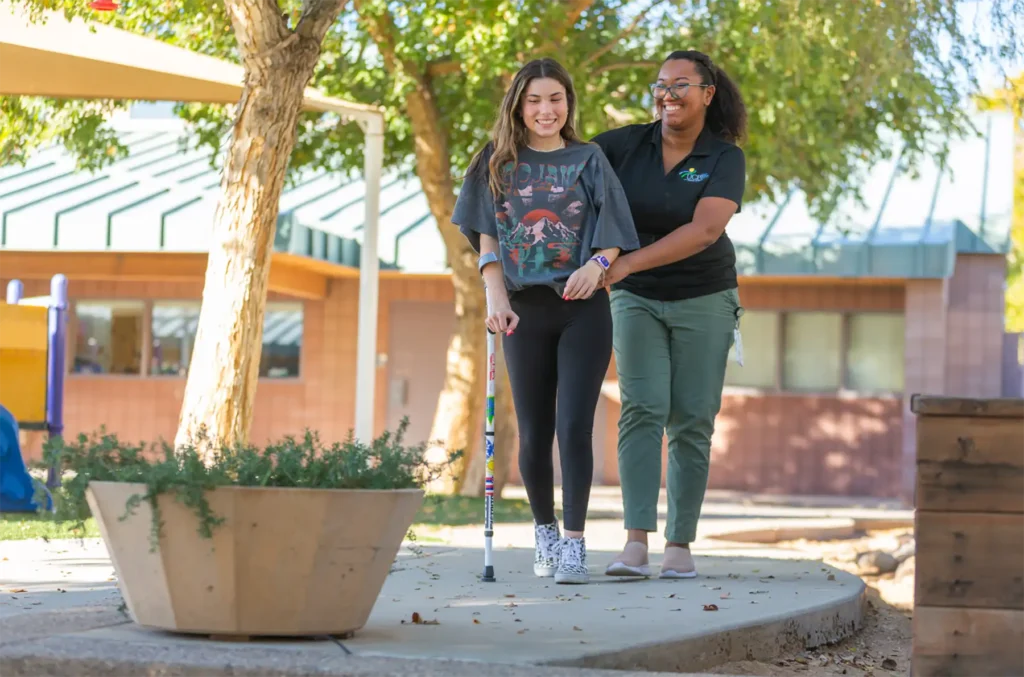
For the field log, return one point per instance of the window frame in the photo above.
(777, 376)
(147, 337)
(302, 353)
(844, 390)
(150, 308)
(847, 332)
(74, 327)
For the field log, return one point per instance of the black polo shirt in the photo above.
(662, 202)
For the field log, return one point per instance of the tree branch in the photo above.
(575, 10)
(317, 18)
(259, 26)
(382, 29)
(445, 67)
(620, 117)
(622, 34)
(627, 64)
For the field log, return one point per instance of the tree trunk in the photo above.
(459, 413)
(506, 440)
(459, 407)
(221, 387)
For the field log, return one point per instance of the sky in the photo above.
(976, 14)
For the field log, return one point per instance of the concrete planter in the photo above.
(285, 562)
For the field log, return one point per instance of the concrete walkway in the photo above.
(59, 615)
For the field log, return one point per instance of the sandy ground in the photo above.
(881, 648)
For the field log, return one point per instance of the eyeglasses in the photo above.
(678, 90)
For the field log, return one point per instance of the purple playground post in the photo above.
(15, 290)
(58, 330)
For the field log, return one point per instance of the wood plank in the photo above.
(970, 464)
(999, 407)
(967, 642)
(970, 560)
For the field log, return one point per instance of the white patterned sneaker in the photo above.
(572, 563)
(547, 545)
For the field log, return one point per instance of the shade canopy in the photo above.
(78, 60)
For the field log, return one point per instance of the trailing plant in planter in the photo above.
(304, 462)
(295, 538)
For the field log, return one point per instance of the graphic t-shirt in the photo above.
(559, 208)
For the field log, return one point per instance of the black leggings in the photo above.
(557, 358)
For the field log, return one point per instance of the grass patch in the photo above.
(452, 511)
(24, 526)
(455, 511)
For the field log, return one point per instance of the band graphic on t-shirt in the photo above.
(540, 220)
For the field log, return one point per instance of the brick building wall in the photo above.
(146, 408)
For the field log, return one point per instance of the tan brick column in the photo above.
(925, 349)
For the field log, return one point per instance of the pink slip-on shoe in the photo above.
(632, 561)
(677, 563)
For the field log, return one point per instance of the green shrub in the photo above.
(183, 472)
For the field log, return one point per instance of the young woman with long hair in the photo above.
(675, 300)
(548, 217)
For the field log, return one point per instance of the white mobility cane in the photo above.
(488, 576)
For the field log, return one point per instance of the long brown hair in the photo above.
(510, 132)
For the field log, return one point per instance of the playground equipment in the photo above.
(33, 338)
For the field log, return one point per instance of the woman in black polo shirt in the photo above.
(674, 301)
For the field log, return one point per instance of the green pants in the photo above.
(671, 358)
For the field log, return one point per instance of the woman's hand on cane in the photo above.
(502, 319)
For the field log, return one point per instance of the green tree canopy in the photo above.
(819, 78)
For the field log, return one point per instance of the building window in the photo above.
(174, 336)
(282, 340)
(874, 356)
(813, 351)
(108, 339)
(760, 332)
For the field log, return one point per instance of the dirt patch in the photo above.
(895, 588)
(883, 645)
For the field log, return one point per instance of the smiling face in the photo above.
(545, 108)
(689, 108)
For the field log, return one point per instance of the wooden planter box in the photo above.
(969, 589)
(285, 562)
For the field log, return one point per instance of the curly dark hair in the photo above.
(726, 115)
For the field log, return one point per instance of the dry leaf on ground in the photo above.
(418, 620)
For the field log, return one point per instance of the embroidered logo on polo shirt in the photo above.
(692, 176)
